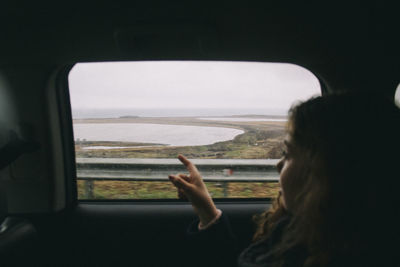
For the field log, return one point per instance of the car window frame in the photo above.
(68, 144)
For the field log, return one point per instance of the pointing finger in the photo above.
(189, 165)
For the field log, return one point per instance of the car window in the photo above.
(132, 119)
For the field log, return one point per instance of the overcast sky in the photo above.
(189, 84)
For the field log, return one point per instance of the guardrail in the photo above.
(156, 170)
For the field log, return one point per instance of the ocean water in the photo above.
(173, 135)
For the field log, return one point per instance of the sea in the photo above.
(171, 135)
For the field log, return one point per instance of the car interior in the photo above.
(347, 45)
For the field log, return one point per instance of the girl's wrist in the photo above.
(207, 215)
(203, 226)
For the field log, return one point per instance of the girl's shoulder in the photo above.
(264, 251)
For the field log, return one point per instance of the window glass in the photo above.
(132, 119)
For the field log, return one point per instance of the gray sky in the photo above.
(189, 84)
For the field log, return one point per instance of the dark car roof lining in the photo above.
(350, 45)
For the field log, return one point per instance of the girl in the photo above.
(339, 178)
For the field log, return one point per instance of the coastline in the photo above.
(260, 140)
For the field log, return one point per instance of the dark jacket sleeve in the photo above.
(214, 246)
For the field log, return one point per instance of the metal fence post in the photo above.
(89, 188)
(225, 188)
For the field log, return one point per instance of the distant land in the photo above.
(257, 116)
(230, 116)
(79, 113)
(128, 116)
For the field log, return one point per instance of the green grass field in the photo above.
(165, 190)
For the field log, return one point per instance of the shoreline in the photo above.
(259, 140)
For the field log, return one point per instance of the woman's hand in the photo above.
(192, 187)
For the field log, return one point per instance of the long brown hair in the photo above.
(348, 204)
